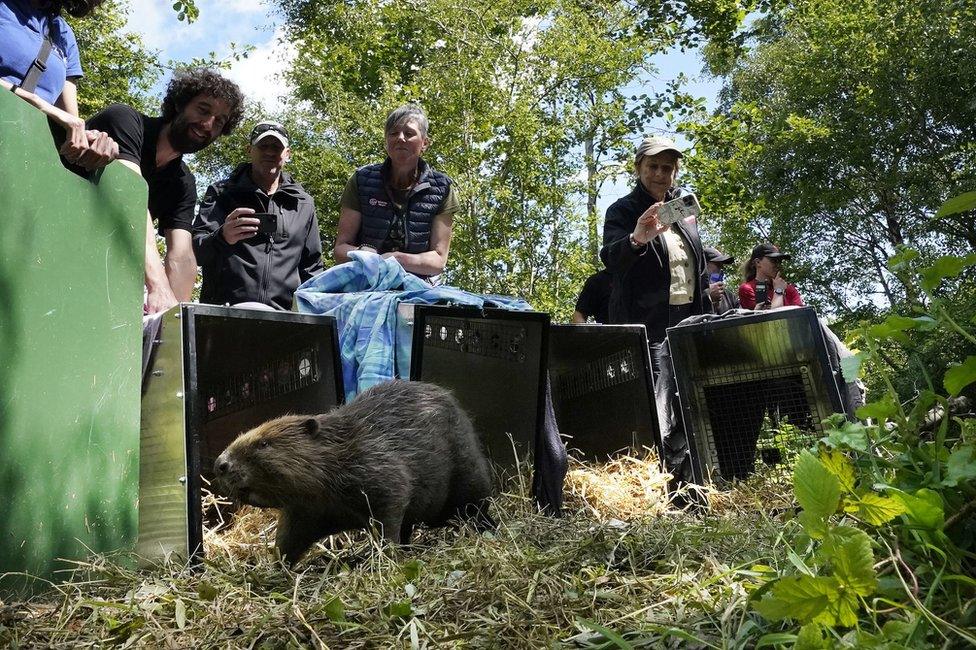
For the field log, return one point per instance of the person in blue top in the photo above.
(47, 81)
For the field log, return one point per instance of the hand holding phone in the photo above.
(683, 207)
(762, 294)
(239, 224)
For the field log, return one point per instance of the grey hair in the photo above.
(404, 114)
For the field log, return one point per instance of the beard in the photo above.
(182, 140)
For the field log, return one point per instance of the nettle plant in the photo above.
(885, 554)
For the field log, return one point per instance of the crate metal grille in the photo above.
(756, 420)
(284, 375)
(487, 339)
(611, 370)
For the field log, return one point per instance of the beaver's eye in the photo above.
(264, 444)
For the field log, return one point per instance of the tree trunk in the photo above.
(592, 229)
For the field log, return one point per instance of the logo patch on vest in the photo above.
(382, 204)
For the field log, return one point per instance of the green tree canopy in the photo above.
(842, 130)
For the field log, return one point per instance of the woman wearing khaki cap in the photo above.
(659, 270)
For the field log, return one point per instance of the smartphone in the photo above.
(762, 293)
(269, 222)
(680, 208)
(716, 277)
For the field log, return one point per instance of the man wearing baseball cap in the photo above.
(765, 287)
(721, 296)
(256, 234)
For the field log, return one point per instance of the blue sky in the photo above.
(247, 22)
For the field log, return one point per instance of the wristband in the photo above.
(635, 245)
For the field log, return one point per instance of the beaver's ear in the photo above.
(311, 427)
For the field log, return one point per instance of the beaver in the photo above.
(401, 453)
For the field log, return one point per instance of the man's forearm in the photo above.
(181, 271)
(155, 275)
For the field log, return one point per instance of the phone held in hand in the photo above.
(716, 277)
(762, 293)
(269, 222)
(675, 210)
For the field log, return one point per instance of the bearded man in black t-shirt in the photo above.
(199, 107)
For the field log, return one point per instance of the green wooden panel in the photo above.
(71, 276)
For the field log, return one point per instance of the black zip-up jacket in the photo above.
(264, 268)
(642, 282)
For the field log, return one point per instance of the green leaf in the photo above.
(853, 562)
(899, 261)
(611, 636)
(335, 609)
(876, 509)
(840, 466)
(810, 638)
(897, 630)
(852, 435)
(947, 266)
(411, 569)
(962, 203)
(841, 610)
(206, 591)
(895, 326)
(814, 525)
(802, 598)
(959, 376)
(775, 640)
(399, 609)
(850, 366)
(882, 410)
(817, 490)
(924, 509)
(180, 613)
(961, 466)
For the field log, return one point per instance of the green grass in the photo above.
(604, 575)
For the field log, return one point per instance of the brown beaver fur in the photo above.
(401, 453)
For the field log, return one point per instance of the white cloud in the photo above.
(219, 23)
(260, 74)
(148, 19)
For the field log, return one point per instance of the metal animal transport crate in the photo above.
(494, 361)
(214, 373)
(752, 390)
(601, 388)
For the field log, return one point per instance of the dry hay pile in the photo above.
(618, 565)
(626, 488)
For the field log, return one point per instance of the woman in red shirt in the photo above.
(765, 287)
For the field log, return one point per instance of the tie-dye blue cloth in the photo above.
(363, 296)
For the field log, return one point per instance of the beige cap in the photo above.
(654, 145)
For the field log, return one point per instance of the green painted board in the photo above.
(71, 276)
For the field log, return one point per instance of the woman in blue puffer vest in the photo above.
(401, 208)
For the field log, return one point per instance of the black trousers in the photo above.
(676, 314)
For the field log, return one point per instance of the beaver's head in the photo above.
(274, 464)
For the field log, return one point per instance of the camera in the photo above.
(683, 207)
(718, 276)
